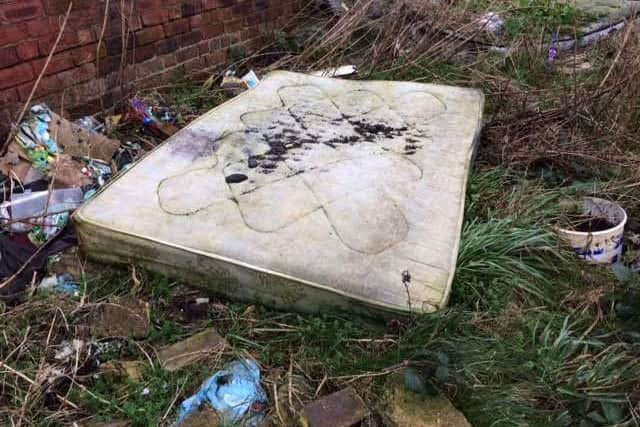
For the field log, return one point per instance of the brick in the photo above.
(13, 76)
(215, 44)
(154, 17)
(10, 34)
(175, 12)
(274, 13)
(191, 8)
(176, 27)
(188, 53)
(205, 18)
(192, 350)
(203, 47)
(215, 58)
(212, 30)
(23, 10)
(167, 46)
(56, 7)
(8, 56)
(109, 65)
(135, 23)
(232, 26)
(233, 38)
(190, 38)
(262, 4)
(225, 14)
(59, 62)
(169, 60)
(148, 68)
(255, 20)
(142, 53)
(150, 4)
(69, 39)
(196, 21)
(173, 74)
(340, 409)
(114, 45)
(242, 9)
(85, 17)
(41, 27)
(209, 4)
(87, 53)
(86, 36)
(149, 35)
(85, 96)
(27, 50)
(87, 108)
(9, 96)
(47, 86)
(194, 65)
(77, 75)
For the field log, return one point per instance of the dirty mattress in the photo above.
(305, 193)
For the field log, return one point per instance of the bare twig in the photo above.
(32, 382)
(100, 38)
(44, 68)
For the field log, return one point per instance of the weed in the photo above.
(547, 16)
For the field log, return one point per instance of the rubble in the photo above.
(406, 408)
(343, 408)
(50, 167)
(119, 317)
(197, 347)
(117, 370)
(202, 417)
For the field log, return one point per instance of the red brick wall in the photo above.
(166, 39)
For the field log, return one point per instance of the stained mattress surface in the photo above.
(305, 193)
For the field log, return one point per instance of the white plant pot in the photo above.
(598, 247)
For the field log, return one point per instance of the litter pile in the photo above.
(50, 167)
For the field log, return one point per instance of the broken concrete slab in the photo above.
(117, 370)
(304, 193)
(119, 317)
(195, 348)
(340, 409)
(404, 408)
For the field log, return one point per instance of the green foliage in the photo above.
(546, 16)
(507, 245)
(425, 71)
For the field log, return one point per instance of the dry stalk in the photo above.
(44, 69)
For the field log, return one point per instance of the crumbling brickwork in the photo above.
(145, 43)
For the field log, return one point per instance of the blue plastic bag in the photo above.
(235, 393)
